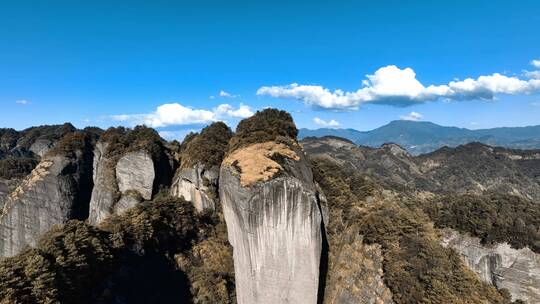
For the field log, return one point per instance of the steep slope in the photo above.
(273, 210)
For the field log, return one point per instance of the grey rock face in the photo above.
(41, 146)
(57, 190)
(116, 182)
(197, 185)
(135, 172)
(517, 270)
(276, 229)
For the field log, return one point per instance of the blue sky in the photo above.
(164, 63)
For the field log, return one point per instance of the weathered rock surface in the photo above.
(355, 273)
(41, 146)
(57, 190)
(275, 225)
(135, 172)
(116, 183)
(197, 185)
(517, 270)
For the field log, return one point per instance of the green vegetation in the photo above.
(52, 132)
(417, 269)
(208, 147)
(494, 218)
(122, 140)
(129, 258)
(266, 125)
(73, 142)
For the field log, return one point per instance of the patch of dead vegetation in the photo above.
(256, 162)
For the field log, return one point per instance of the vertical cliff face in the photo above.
(57, 190)
(120, 184)
(129, 166)
(517, 270)
(274, 222)
(197, 185)
(197, 178)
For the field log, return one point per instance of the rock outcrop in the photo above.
(274, 219)
(517, 270)
(197, 185)
(130, 166)
(57, 190)
(197, 179)
(119, 185)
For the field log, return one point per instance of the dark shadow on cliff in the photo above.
(323, 266)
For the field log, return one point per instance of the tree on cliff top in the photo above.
(208, 147)
(266, 125)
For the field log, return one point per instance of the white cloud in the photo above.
(226, 94)
(400, 87)
(536, 63)
(243, 111)
(177, 114)
(326, 124)
(532, 74)
(177, 134)
(22, 101)
(414, 116)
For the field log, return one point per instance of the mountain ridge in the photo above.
(419, 137)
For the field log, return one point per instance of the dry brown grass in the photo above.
(256, 162)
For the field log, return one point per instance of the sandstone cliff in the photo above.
(274, 218)
(517, 270)
(196, 180)
(129, 167)
(57, 190)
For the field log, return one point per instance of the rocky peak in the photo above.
(196, 180)
(129, 166)
(274, 213)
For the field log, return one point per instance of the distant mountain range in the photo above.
(422, 137)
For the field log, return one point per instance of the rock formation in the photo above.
(129, 167)
(197, 185)
(57, 190)
(517, 270)
(274, 217)
(197, 178)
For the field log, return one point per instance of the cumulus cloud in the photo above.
(414, 116)
(177, 114)
(536, 63)
(400, 87)
(22, 101)
(326, 124)
(225, 94)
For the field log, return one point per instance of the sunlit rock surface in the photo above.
(517, 270)
(197, 185)
(275, 226)
(115, 183)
